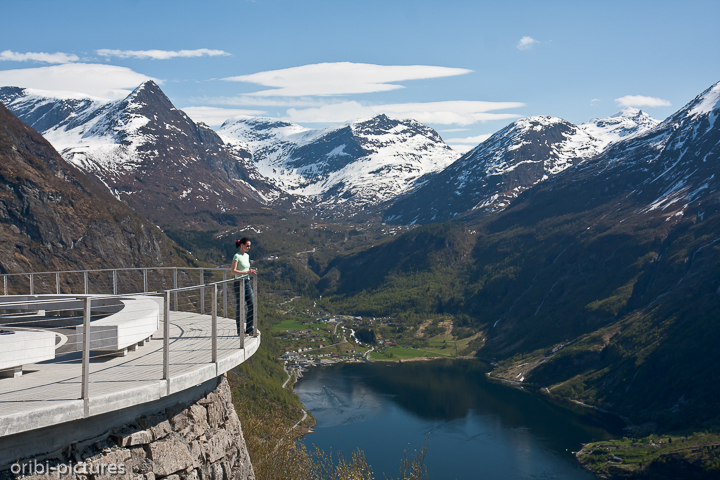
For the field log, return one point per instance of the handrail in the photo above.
(115, 274)
(77, 296)
(169, 296)
(114, 269)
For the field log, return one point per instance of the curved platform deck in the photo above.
(49, 393)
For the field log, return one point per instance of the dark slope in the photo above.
(521, 155)
(52, 217)
(630, 275)
(601, 284)
(149, 154)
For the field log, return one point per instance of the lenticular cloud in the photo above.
(101, 81)
(642, 101)
(341, 78)
(57, 57)
(161, 54)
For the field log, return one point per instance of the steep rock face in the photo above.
(44, 112)
(345, 169)
(268, 140)
(147, 153)
(640, 195)
(599, 285)
(52, 217)
(523, 154)
(615, 275)
(673, 165)
(200, 441)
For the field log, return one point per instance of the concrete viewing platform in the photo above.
(49, 393)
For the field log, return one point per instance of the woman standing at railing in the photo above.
(241, 269)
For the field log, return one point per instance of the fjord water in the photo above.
(477, 429)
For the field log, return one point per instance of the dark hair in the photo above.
(242, 241)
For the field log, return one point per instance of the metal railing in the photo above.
(198, 328)
(78, 281)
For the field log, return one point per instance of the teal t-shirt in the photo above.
(243, 263)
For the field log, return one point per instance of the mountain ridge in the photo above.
(528, 151)
(153, 156)
(346, 168)
(53, 217)
(600, 285)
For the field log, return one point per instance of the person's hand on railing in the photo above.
(252, 271)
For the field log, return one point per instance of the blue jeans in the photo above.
(249, 302)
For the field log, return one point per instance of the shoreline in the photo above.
(537, 389)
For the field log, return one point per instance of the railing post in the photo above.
(57, 283)
(166, 342)
(85, 277)
(224, 294)
(175, 286)
(5, 286)
(86, 355)
(144, 280)
(115, 274)
(255, 306)
(243, 315)
(32, 284)
(214, 324)
(202, 291)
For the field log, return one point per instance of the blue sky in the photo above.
(466, 68)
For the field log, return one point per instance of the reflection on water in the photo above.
(478, 429)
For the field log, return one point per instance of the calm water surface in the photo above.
(478, 429)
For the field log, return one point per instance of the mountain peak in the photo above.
(624, 124)
(381, 117)
(148, 93)
(629, 112)
(346, 168)
(536, 123)
(147, 85)
(708, 101)
(378, 121)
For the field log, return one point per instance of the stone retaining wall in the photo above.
(201, 441)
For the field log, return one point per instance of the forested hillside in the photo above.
(601, 285)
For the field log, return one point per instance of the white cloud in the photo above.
(57, 57)
(642, 101)
(461, 148)
(333, 113)
(245, 100)
(161, 54)
(476, 140)
(526, 43)
(341, 78)
(103, 81)
(214, 116)
(594, 101)
(443, 113)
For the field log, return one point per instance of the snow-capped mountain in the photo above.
(521, 155)
(343, 169)
(47, 110)
(670, 167)
(266, 138)
(628, 122)
(147, 152)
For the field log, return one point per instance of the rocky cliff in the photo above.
(147, 153)
(202, 440)
(53, 217)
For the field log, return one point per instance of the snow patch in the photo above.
(708, 101)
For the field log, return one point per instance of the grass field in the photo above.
(401, 353)
(290, 324)
(694, 456)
